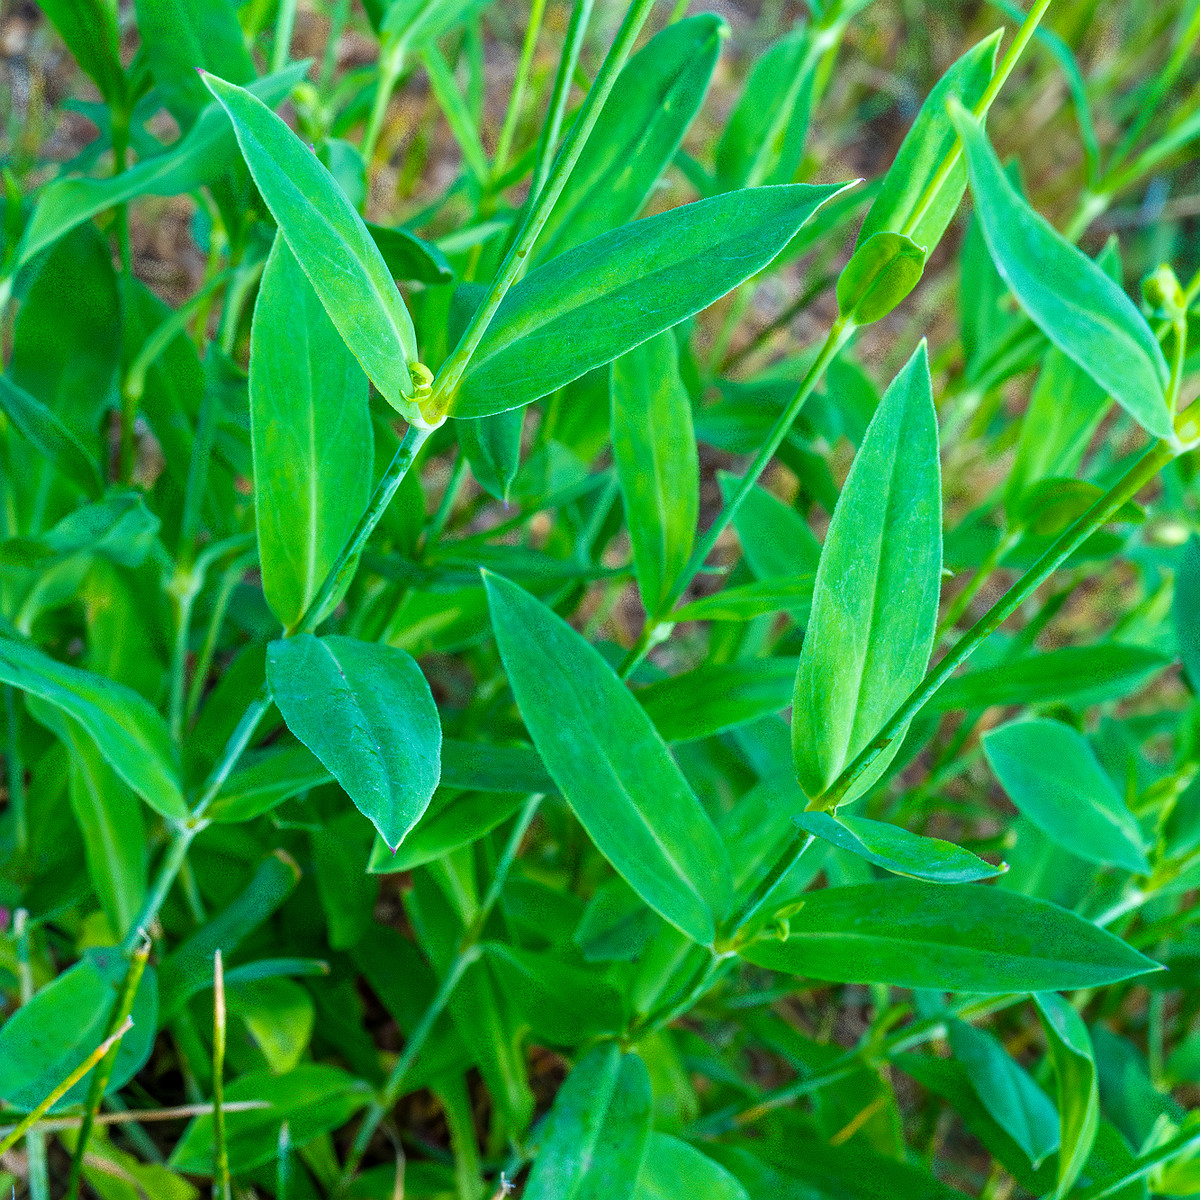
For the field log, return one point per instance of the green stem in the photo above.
(448, 377)
(121, 1013)
(1011, 55)
(517, 95)
(458, 474)
(16, 770)
(391, 65)
(962, 601)
(221, 1189)
(838, 336)
(757, 900)
(581, 12)
(285, 23)
(468, 952)
(63, 1088)
(1102, 511)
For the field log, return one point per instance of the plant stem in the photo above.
(983, 573)
(391, 65)
(285, 23)
(121, 1014)
(441, 401)
(837, 337)
(1121, 493)
(468, 952)
(792, 854)
(220, 1149)
(16, 769)
(935, 185)
(517, 96)
(63, 1088)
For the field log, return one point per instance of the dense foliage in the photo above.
(553, 637)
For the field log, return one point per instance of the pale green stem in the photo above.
(285, 23)
(63, 1088)
(446, 384)
(121, 1014)
(516, 98)
(391, 65)
(35, 1141)
(838, 336)
(1011, 55)
(221, 1189)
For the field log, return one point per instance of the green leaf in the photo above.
(1075, 675)
(1005, 1089)
(763, 141)
(181, 37)
(340, 850)
(610, 764)
(120, 528)
(128, 732)
(202, 156)
(1185, 608)
(672, 1168)
(265, 779)
(563, 1004)
(310, 429)
(884, 269)
(616, 926)
(1075, 304)
(653, 101)
(925, 146)
(718, 696)
(1052, 775)
(595, 302)
(52, 440)
(1078, 1090)
(776, 540)
(110, 820)
(897, 850)
(659, 472)
(410, 257)
(595, 1138)
(751, 600)
(959, 937)
(492, 446)
(314, 1099)
(876, 597)
(331, 244)
(366, 712)
(189, 968)
(89, 27)
(280, 1016)
(46, 1039)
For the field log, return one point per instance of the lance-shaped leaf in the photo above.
(89, 27)
(46, 1039)
(365, 710)
(331, 244)
(202, 155)
(876, 597)
(1074, 303)
(657, 466)
(592, 304)
(658, 92)
(610, 764)
(959, 937)
(924, 148)
(310, 432)
(46, 433)
(1053, 776)
(492, 446)
(1078, 1088)
(594, 1140)
(897, 850)
(1005, 1089)
(129, 733)
(884, 269)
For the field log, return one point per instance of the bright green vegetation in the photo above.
(588, 648)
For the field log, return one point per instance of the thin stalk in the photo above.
(983, 573)
(230, 580)
(140, 1116)
(221, 1190)
(451, 372)
(581, 12)
(391, 66)
(283, 1163)
(16, 769)
(35, 1141)
(341, 14)
(468, 952)
(757, 899)
(121, 1014)
(186, 586)
(1102, 511)
(285, 23)
(458, 474)
(838, 336)
(1014, 51)
(18, 1131)
(168, 869)
(517, 96)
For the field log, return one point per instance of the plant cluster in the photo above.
(487, 706)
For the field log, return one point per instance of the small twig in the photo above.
(180, 1112)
